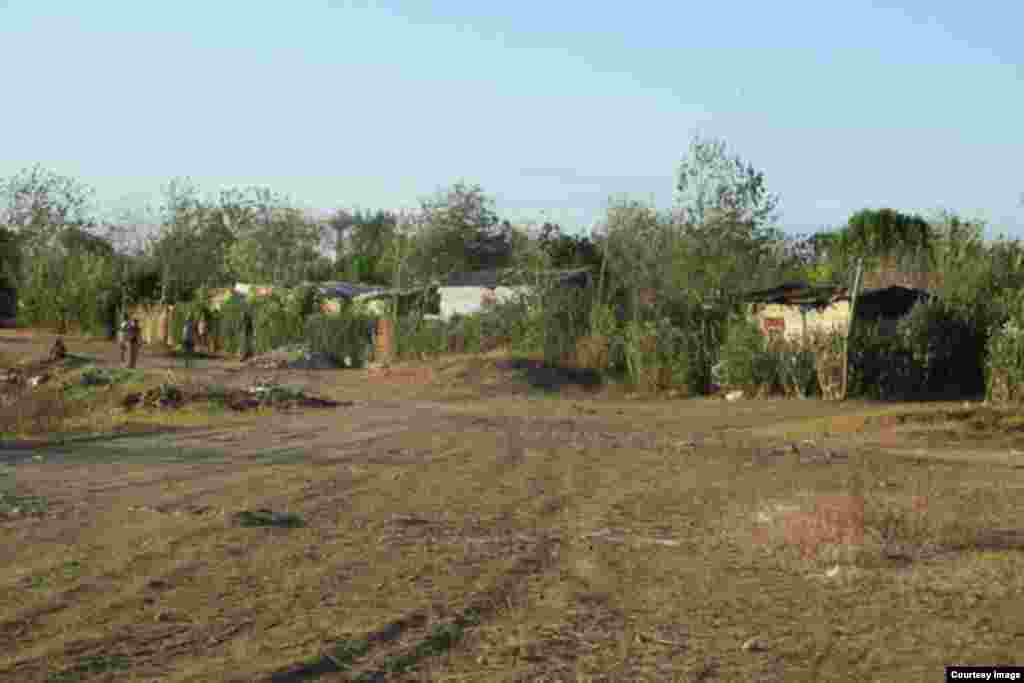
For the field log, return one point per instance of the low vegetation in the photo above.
(496, 508)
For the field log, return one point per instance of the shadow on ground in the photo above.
(103, 447)
(553, 378)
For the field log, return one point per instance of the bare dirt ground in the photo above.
(487, 519)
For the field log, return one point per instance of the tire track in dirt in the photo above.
(407, 642)
(148, 647)
(401, 640)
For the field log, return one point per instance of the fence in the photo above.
(154, 321)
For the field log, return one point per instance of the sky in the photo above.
(552, 108)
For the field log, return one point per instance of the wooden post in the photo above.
(849, 327)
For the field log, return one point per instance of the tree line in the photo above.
(73, 266)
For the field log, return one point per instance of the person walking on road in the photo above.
(134, 340)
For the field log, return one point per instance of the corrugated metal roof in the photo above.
(895, 301)
(797, 293)
(511, 277)
(347, 290)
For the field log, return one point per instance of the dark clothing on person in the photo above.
(247, 335)
(188, 340)
(131, 339)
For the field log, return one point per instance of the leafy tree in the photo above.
(275, 241)
(62, 267)
(362, 245)
(10, 258)
(568, 251)
(887, 241)
(461, 231)
(728, 219)
(193, 240)
(38, 205)
(711, 186)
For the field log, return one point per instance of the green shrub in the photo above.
(948, 348)
(528, 331)
(935, 351)
(746, 362)
(881, 366)
(657, 355)
(339, 335)
(795, 367)
(277, 322)
(303, 301)
(471, 328)
(1004, 363)
(227, 324)
(425, 336)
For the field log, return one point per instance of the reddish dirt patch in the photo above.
(835, 520)
(410, 375)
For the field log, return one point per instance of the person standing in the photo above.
(203, 335)
(188, 341)
(371, 339)
(247, 335)
(122, 336)
(134, 341)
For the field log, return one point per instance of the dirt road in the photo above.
(455, 522)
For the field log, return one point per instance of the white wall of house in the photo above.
(788, 319)
(469, 300)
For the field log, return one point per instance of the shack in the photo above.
(794, 310)
(469, 292)
(377, 297)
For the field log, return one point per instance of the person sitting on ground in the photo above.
(57, 351)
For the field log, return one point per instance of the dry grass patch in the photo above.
(464, 544)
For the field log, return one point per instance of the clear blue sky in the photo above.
(550, 106)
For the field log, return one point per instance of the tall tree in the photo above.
(275, 242)
(886, 233)
(362, 244)
(461, 231)
(192, 241)
(40, 205)
(714, 186)
(891, 244)
(568, 251)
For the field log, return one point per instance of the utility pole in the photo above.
(849, 327)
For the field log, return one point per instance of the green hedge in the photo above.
(277, 321)
(228, 323)
(936, 352)
(425, 337)
(1004, 361)
(746, 362)
(338, 335)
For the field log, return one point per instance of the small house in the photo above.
(470, 292)
(376, 297)
(795, 309)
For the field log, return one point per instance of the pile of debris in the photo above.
(270, 394)
(167, 396)
(296, 357)
(33, 373)
(264, 394)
